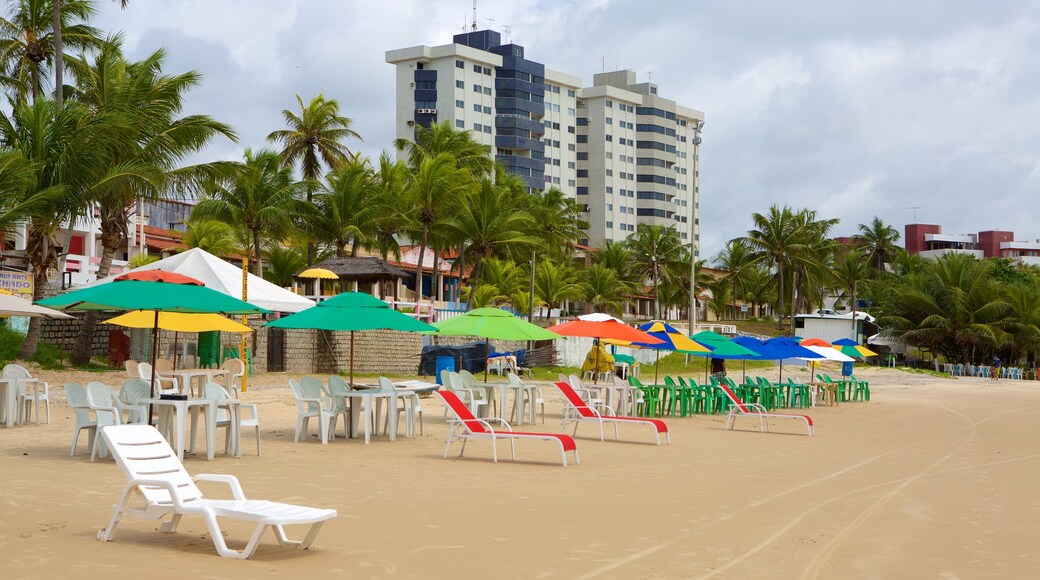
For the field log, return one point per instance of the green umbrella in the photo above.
(352, 311)
(488, 323)
(721, 347)
(153, 290)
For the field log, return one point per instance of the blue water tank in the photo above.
(443, 363)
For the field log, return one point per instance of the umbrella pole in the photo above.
(595, 367)
(175, 335)
(155, 356)
(352, 360)
(743, 371)
(487, 351)
(657, 363)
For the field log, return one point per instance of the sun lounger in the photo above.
(583, 412)
(154, 470)
(755, 410)
(466, 427)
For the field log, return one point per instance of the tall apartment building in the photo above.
(626, 154)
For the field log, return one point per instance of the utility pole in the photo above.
(693, 217)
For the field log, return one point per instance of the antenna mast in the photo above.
(474, 28)
(915, 208)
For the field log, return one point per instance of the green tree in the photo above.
(878, 241)
(658, 254)
(554, 283)
(720, 298)
(346, 207)
(442, 138)
(283, 264)
(851, 272)
(259, 198)
(390, 213)
(215, 237)
(27, 41)
(603, 290)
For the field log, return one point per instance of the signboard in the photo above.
(19, 283)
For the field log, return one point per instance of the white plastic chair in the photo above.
(339, 390)
(132, 391)
(311, 402)
(131, 369)
(76, 396)
(474, 398)
(408, 403)
(145, 370)
(236, 368)
(167, 489)
(470, 382)
(531, 396)
(104, 403)
(24, 400)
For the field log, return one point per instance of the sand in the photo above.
(933, 478)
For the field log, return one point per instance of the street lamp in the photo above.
(697, 126)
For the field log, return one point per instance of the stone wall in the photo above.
(62, 333)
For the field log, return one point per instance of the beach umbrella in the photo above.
(11, 305)
(351, 312)
(849, 347)
(601, 326)
(725, 348)
(318, 274)
(813, 344)
(670, 339)
(155, 291)
(787, 347)
(492, 323)
(178, 322)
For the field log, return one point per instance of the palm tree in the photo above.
(283, 264)
(346, 208)
(441, 138)
(733, 258)
(213, 236)
(504, 276)
(314, 136)
(434, 189)
(954, 308)
(1024, 301)
(261, 198)
(492, 224)
(850, 271)
(618, 257)
(720, 297)
(603, 290)
(658, 254)
(554, 283)
(63, 147)
(153, 141)
(878, 241)
(389, 203)
(560, 226)
(29, 41)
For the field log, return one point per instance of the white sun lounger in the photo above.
(155, 472)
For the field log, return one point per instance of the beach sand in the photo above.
(933, 478)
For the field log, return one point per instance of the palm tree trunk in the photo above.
(84, 345)
(657, 301)
(256, 254)
(436, 276)
(780, 297)
(418, 266)
(58, 58)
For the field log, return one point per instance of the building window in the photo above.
(610, 173)
(570, 165)
(459, 64)
(476, 68)
(570, 183)
(487, 128)
(610, 189)
(570, 147)
(460, 103)
(487, 71)
(556, 143)
(610, 207)
(608, 103)
(583, 156)
(476, 107)
(583, 173)
(610, 225)
(583, 191)
(556, 89)
(608, 121)
(570, 111)
(583, 138)
(570, 93)
(608, 137)
(570, 128)
(460, 84)
(487, 90)
(476, 127)
(476, 88)
(460, 124)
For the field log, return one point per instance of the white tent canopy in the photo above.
(11, 305)
(227, 279)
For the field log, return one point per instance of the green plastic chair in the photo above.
(651, 400)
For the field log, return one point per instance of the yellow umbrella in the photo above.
(178, 321)
(319, 273)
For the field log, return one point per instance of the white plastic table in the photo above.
(181, 408)
(503, 392)
(9, 386)
(186, 376)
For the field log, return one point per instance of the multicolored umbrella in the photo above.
(602, 326)
(849, 347)
(723, 347)
(351, 312)
(670, 339)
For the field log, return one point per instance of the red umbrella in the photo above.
(159, 276)
(601, 326)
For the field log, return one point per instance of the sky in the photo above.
(855, 109)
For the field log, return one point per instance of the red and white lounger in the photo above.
(755, 410)
(583, 412)
(466, 427)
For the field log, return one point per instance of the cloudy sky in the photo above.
(852, 108)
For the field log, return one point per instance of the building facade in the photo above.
(929, 241)
(622, 151)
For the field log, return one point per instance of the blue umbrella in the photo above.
(787, 347)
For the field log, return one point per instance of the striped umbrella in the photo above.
(849, 347)
(670, 339)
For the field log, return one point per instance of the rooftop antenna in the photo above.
(491, 23)
(651, 75)
(915, 208)
(508, 30)
(604, 63)
(474, 15)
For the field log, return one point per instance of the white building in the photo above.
(618, 148)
